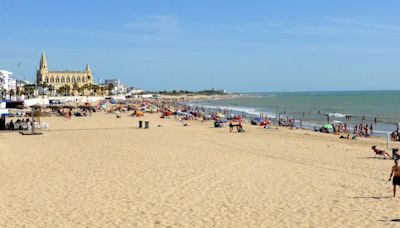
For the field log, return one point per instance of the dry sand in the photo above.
(104, 172)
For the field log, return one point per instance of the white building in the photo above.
(119, 88)
(7, 81)
(135, 90)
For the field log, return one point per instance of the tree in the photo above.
(64, 89)
(51, 88)
(60, 89)
(43, 85)
(80, 90)
(68, 89)
(110, 87)
(94, 88)
(29, 89)
(75, 87)
(84, 88)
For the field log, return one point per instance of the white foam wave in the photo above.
(250, 111)
(335, 114)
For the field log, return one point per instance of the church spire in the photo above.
(43, 61)
(88, 68)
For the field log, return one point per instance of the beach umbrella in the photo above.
(36, 106)
(258, 119)
(54, 106)
(69, 106)
(86, 107)
(328, 126)
(19, 107)
(265, 122)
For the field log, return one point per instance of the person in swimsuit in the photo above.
(230, 125)
(396, 176)
(380, 152)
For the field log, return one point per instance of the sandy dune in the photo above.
(102, 172)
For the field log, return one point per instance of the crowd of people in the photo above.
(361, 129)
(20, 124)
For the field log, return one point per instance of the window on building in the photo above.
(51, 80)
(68, 80)
(46, 79)
(83, 79)
(78, 79)
(62, 79)
(57, 80)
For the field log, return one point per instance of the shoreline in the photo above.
(381, 129)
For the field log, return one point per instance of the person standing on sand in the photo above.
(371, 129)
(396, 176)
(230, 125)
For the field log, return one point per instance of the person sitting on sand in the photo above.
(347, 137)
(380, 152)
(396, 176)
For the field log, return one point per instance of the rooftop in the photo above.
(66, 71)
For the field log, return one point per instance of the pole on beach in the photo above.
(388, 141)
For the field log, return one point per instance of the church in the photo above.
(60, 78)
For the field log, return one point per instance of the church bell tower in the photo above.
(43, 70)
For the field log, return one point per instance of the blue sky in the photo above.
(226, 44)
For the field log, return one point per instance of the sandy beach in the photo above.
(101, 171)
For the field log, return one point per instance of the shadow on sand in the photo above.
(371, 197)
(374, 157)
(92, 129)
(389, 220)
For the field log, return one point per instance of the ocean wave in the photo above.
(335, 114)
(250, 111)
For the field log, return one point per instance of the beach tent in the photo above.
(259, 119)
(138, 113)
(265, 122)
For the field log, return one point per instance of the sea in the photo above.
(313, 109)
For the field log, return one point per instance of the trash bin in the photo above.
(140, 124)
(146, 124)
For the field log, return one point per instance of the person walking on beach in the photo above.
(396, 176)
